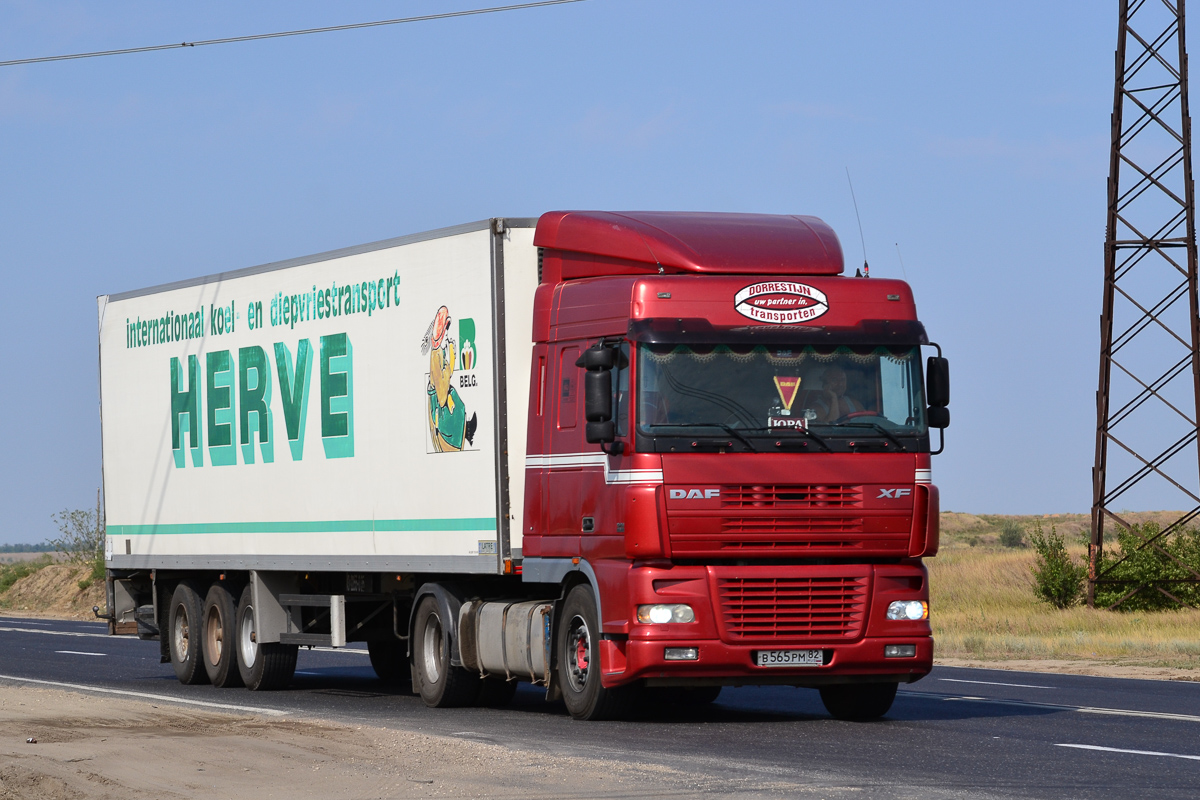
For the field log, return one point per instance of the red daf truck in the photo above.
(660, 451)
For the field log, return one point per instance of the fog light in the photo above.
(681, 654)
(660, 614)
(899, 651)
(908, 609)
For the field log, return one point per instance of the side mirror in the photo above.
(597, 393)
(937, 383)
(938, 416)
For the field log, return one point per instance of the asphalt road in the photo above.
(958, 733)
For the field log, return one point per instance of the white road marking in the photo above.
(66, 633)
(302, 672)
(270, 712)
(79, 653)
(1134, 752)
(12, 621)
(1113, 712)
(995, 683)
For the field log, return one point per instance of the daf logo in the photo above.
(893, 494)
(694, 494)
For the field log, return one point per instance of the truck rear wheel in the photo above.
(390, 663)
(220, 658)
(262, 667)
(440, 684)
(579, 662)
(858, 702)
(186, 640)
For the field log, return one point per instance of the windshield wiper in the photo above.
(818, 439)
(879, 428)
(731, 431)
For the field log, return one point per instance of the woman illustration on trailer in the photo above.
(448, 423)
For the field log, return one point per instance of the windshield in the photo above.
(776, 389)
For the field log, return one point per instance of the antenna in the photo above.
(902, 269)
(866, 270)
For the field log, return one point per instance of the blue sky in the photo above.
(976, 135)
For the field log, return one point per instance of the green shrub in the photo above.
(82, 539)
(1012, 533)
(97, 573)
(1150, 568)
(1057, 578)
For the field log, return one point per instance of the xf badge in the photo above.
(893, 494)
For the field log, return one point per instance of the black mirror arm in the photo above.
(941, 442)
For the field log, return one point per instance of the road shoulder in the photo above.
(1068, 667)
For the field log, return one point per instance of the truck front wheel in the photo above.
(579, 662)
(440, 684)
(186, 640)
(262, 667)
(858, 702)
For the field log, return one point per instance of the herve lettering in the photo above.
(230, 407)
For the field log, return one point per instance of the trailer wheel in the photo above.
(220, 658)
(579, 662)
(440, 684)
(186, 641)
(262, 667)
(858, 702)
(390, 663)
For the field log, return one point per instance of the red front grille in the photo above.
(792, 525)
(816, 607)
(774, 496)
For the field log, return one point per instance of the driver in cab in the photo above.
(832, 403)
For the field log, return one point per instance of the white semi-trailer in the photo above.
(336, 426)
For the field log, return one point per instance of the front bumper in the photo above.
(744, 609)
(725, 664)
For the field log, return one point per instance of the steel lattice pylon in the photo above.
(1148, 401)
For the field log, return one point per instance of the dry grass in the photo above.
(983, 607)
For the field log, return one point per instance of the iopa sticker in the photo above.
(780, 302)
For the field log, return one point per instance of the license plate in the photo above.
(789, 658)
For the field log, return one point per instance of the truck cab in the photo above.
(728, 463)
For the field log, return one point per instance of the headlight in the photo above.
(908, 609)
(661, 613)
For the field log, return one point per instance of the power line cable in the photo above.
(425, 18)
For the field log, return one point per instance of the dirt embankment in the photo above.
(54, 591)
(89, 748)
